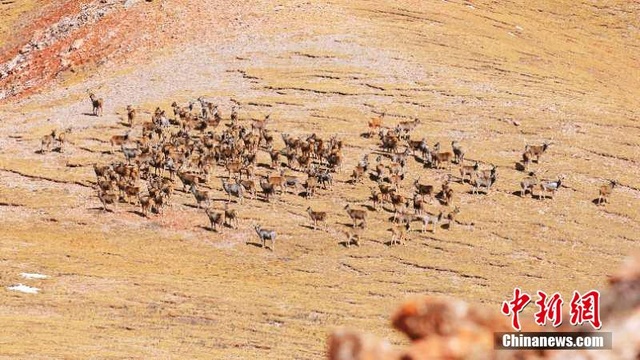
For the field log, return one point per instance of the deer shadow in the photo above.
(348, 243)
(258, 245)
(101, 209)
(139, 213)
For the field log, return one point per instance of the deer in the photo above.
(431, 219)
(604, 192)
(354, 236)
(201, 196)
(399, 233)
(236, 190)
(549, 186)
(260, 124)
(265, 235)
(108, 198)
(408, 126)
(326, 179)
(188, 179)
(47, 141)
(130, 153)
(356, 214)
(234, 115)
(375, 124)
(458, 152)
(145, 204)
(527, 156)
(97, 104)
(310, 185)
(249, 186)
(277, 181)
(451, 217)
(275, 159)
(417, 145)
(447, 195)
(316, 217)
(230, 216)
(422, 189)
(102, 171)
(119, 140)
(131, 191)
(358, 173)
(131, 115)
(528, 184)
(248, 170)
(487, 173)
(399, 203)
(485, 182)
(107, 185)
(267, 189)
(418, 205)
(216, 219)
(437, 158)
(159, 201)
(376, 198)
(380, 170)
(62, 138)
(536, 150)
(233, 167)
(468, 170)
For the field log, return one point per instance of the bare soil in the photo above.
(492, 75)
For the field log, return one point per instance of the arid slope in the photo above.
(492, 75)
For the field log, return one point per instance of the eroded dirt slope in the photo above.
(124, 286)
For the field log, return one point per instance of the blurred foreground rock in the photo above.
(444, 328)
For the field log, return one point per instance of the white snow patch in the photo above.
(24, 289)
(33, 276)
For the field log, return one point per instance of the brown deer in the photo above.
(230, 216)
(316, 217)
(216, 219)
(97, 104)
(399, 234)
(536, 150)
(605, 191)
(47, 141)
(131, 115)
(356, 214)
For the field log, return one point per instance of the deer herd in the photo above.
(188, 148)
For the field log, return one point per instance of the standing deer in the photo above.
(265, 235)
(47, 140)
(356, 214)
(131, 115)
(316, 217)
(97, 104)
(605, 191)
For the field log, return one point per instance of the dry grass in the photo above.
(124, 286)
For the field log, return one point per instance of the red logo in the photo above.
(549, 308)
(515, 307)
(585, 308)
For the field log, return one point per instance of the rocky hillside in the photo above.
(493, 76)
